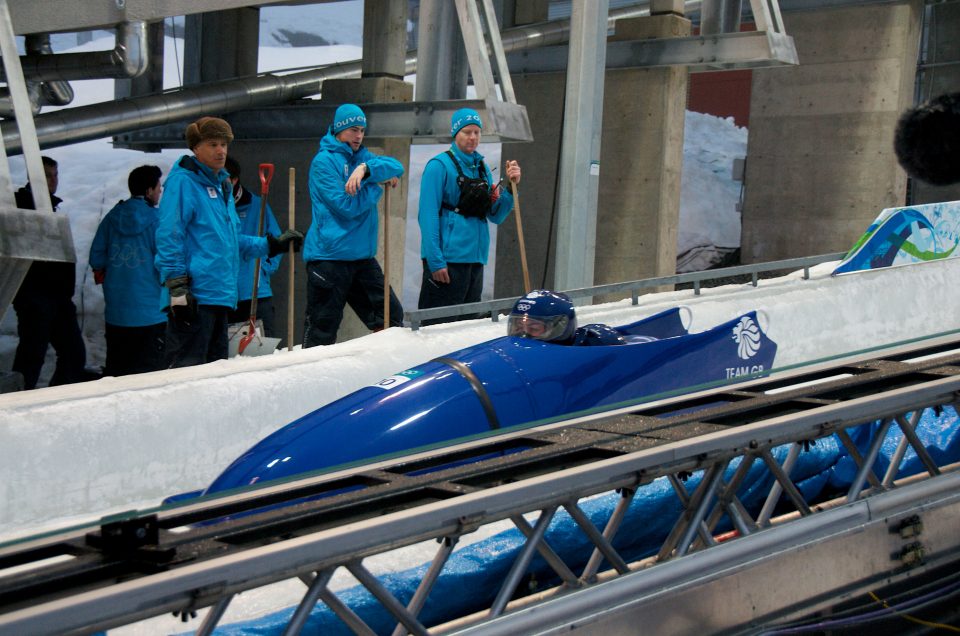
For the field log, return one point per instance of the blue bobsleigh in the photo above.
(502, 383)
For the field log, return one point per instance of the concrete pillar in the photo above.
(820, 160)
(579, 178)
(539, 160)
(642, 162)
(384, 39)
(221, 45)
(640, 167)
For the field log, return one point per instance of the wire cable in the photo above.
(856, 616)
(914, 619)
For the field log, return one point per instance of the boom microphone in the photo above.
(927, 140)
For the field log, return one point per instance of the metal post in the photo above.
(580, 146)
(719, 16)
(598, 539)
(548, 554)
(867, 466)
(441, 58)
(609, 531)
(496, 44)
(23, 112)
(708, 488)
(347, 615)
(388, 600)
(447, 545)
(308, 602)
(472, 29)
(911, 435)
(684, 497)
(213, 616)
(776, 489)
(847, 441)
(520, 565)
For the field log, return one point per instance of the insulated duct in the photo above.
(127, 59)
(96, 121)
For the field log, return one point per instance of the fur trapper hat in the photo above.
(207, 128)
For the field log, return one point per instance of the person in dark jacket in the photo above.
(199, 247)
(341, 245)
(121, 256)
(45, 311)
(248, 209)
(458, 200)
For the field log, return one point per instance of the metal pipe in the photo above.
(52, 92)
(127, 59)
(84, 123)
(6, 103)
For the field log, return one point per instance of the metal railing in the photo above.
(177, 560)
(415, 318)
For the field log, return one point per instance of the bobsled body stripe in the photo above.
(477, 387)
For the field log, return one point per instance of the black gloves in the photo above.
(183, 306)
(279, 244)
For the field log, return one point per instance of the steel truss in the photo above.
(203, 554)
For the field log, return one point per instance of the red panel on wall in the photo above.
(721, 93)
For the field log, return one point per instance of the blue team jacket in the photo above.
(446, 236)
(248, 209)
(124, 246)
(344, 227)
(199, 234)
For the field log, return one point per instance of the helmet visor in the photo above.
(526, 326)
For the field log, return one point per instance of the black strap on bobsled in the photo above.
(477, 387)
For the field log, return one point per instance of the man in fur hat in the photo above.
(199, 247)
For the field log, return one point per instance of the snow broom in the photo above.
(386, 256)
(291, 223)
(266, 174)
(523, 247)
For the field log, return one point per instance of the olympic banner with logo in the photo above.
(907, 235)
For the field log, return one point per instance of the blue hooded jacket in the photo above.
(446, 236)
(344, 227)
(124, 246)
(248, 209)
(199, 234)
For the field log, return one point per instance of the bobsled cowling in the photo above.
(500, 384)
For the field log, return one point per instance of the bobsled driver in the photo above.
(550, 316)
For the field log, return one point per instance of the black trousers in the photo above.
(265, 313)
(44, 320)
(331, 285)
(134, 349)
(198, 340)
(466, 285)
